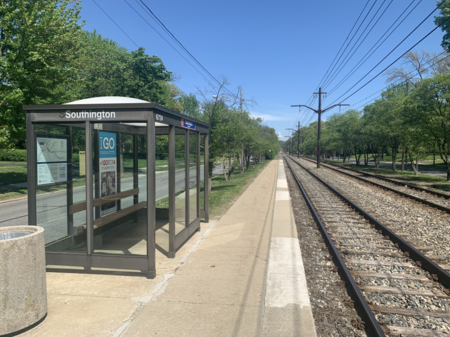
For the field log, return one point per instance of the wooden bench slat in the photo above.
(104, 200)
(116, 215)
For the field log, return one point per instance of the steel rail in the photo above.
(412, 186)
(371, 324)
(403, 194)
(426, 263)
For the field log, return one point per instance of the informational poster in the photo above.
(108, 169)
(51, 160)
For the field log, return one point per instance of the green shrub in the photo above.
(13, 155)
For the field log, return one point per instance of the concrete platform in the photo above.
(241, 276)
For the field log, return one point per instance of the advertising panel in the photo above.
(108, 169)
(51, 160)
(82, 162)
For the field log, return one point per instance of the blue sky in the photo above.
(278, 51)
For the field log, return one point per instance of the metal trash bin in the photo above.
(23, 289)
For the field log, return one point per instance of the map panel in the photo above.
(51, 150)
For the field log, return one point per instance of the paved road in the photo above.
(430, 170)
(52, 207)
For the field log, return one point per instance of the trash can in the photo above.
(23, 289)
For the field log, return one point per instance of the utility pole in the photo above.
(298, 140)
(292, 142)
(241, 101)
(319, 112)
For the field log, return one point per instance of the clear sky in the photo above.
(278, 51)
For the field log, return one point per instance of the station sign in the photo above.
(88, 114)
(187, 124)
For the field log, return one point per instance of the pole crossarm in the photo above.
(292, 106)
(330, 107)
(319, 112)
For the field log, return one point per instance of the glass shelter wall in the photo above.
(162, 193)
(193, 170)
(60, 190)
(120, 189)
(180, 180)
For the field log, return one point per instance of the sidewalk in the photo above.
(242, 276)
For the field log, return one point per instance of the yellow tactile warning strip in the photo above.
(287, 299)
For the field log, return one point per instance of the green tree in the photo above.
(428, 105)
(40, 58)
(445, 25)
(191, 105)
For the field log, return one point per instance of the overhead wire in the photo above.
(116, 24)
(348, 44)
(161, 25)
(155, 31)
(399, 81)
(312, 99)
(350, 57)
(332, 62)
(432, 31)
(178, 52)
(179, 43)
(364, 59)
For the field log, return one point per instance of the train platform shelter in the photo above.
(239, 276)
(129, 176)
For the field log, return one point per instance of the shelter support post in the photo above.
(187, 181)
(70, 183)
(171, 252)
(197, 163)
(97, 170)
(206, 178)
(151, 198)
(31, 171)
(89, 194)
(135, 168)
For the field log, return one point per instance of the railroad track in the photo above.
(424, 226)
(426, 196)
(396, 289)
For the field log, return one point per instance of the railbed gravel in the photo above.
(327, 293)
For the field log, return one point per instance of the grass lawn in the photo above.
(7, 163)
(424, 180)
(223, 193)
(12, 174)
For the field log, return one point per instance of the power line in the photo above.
(433, 30)
(396, 82)
(351, 39)
(169, 44)
(349, 58)
(115, 24)
(401, 81)
(173, 36)
(359, 64)
(343, 43)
